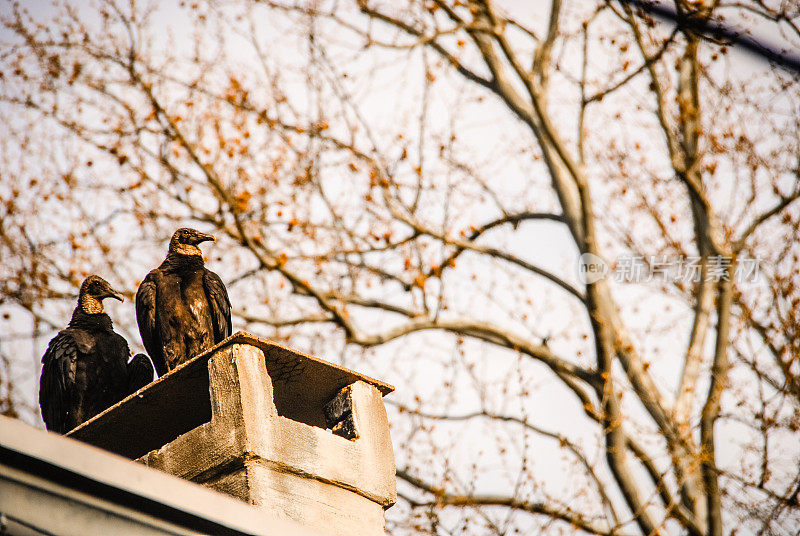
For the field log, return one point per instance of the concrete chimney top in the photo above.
(289, 433)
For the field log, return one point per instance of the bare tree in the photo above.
(407, 187)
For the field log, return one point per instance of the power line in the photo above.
(717, 31)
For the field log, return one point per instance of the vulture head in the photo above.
(185, 240)
(94, 290)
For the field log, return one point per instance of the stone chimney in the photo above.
(289, 433)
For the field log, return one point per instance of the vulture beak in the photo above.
(202, 237)
(114, 294)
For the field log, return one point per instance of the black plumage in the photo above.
(85, 368)
(140, 372)
(182, 308)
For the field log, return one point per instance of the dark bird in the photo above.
(85, 368)
(182, 308)
(140, 372)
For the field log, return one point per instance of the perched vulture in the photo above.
(181, 307)
(85, 368)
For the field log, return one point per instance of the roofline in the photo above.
(116, 480)
(240, 337)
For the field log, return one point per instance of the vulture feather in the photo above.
(182, 308)
(85, 368)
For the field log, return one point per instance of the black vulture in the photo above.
(85, 368)
(182, 308)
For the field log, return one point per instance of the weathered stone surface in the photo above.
(234, 484)
(319, 505)
(264, 438)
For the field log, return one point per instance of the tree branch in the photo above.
(564, 514)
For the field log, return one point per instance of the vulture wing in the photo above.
(148, 327)
(219, 304)
(57, 384)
